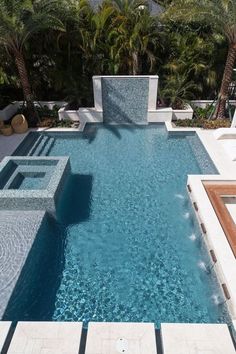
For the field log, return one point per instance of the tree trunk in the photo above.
(227, 77)
(135, 58)
(24, 79)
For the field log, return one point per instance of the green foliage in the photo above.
(203, 123)
(178, 90)
(20, 19)
(55, 123)
(66, 42)
(217, 14)
(133, 37)
(203, 113)
(47, 112)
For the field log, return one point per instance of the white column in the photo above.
(152, 96)
(97, 93)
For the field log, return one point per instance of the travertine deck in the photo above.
(4, 329)
(196, 339)
(46, 338)
(216, 192)
(9, 143)
(114, 338)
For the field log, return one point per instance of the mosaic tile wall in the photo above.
(18, 230)
(125, 100)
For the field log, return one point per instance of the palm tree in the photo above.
(134, 35)
(94, 28)
(19, 21)
(220, 16)
(192, 54)
(178, 90)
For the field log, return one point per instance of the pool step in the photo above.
(42, 146)
(38, 151)
(47, 147)
(35, 145)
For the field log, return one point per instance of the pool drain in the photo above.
(122, 345)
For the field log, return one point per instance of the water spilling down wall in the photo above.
(125, 100)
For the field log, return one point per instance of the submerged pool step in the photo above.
(35, 145)
(47, 147)
(11, 178)
(42, 146)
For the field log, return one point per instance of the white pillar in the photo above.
(152, 96)
(97, 92)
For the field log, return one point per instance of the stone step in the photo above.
(46, 337)
(120, 337)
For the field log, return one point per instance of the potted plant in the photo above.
(6, 129)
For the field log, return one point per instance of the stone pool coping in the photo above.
(115, 337)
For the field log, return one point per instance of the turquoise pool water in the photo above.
(28, 181)
(132, 249)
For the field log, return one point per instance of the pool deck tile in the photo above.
(196, 339)
(46, 338)
(4, 329)
(113, 338)
(9, 143)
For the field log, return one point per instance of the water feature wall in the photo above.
(123, 99)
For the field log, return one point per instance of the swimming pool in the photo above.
(129, 247)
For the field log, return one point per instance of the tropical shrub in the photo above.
(69, 41)
(19, 20)
(204, 123)
(220, 16)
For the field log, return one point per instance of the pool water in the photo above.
(132, 249)
(28, 180)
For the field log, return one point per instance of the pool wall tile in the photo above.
(18, 230)
(125, 100)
